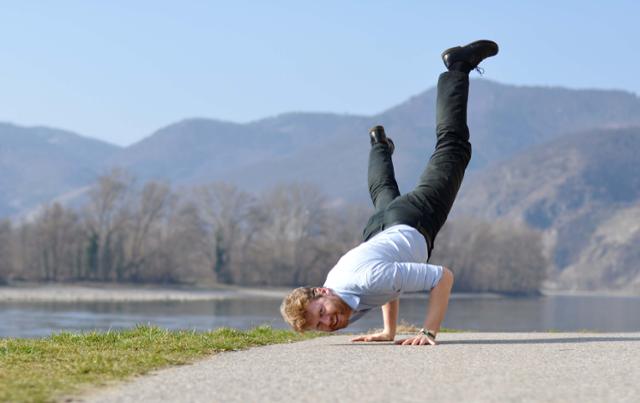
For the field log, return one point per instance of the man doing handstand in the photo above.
(399, 236)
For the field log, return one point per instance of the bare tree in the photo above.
(181, 252)
(223, 210)
(141, 221)
(289, 224)
(23, 251)
(6, 258)
(289, 235)
(343, 228)
(106, 216)
(499, 256)
(58, 240)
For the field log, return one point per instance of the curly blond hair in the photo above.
(294, 307)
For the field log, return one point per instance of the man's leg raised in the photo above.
(383, 187)
(428, 205)
(441, 179)
(381, 178)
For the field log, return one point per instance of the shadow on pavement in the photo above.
(545, 341)
(571, 340)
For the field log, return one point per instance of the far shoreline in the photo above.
(97, 292)
(100, 292)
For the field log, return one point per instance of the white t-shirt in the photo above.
(379, 270)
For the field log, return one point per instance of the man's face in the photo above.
(327, 313)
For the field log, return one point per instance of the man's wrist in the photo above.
(429, 333)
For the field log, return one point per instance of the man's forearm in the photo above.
(390, 316)
(438, 301)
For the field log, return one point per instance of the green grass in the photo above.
(36, 370)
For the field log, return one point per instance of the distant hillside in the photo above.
(611, 256)
(331, 150)
(583, 190)
(39, 163)
(327, 149)
(201, 150)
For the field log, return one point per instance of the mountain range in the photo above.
(39, 163)
(562, 160)
(583, 192)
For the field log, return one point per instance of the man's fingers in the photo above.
(405, 342)
(366, 338)
(416, 341)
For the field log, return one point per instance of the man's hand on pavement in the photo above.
(418, 340)
(382, 336)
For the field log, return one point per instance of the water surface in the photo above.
(481, 313)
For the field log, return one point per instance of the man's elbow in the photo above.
(447, 277)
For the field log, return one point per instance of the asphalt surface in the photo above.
(465, 367)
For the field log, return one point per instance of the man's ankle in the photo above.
(461, 66)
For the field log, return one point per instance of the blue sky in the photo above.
(119, 70)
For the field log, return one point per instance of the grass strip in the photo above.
(40, 370)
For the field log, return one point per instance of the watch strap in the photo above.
(428, 333)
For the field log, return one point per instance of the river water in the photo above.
(481, 313)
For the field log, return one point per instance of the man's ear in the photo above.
(322, 291)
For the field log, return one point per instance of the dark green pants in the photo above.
(427, 206)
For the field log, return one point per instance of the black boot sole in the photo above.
(479, 42)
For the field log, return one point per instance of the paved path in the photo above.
(465, 367)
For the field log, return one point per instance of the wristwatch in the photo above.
(428, 333)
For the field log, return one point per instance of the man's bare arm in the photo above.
(390, 320)
(438, 303)
(390, 317)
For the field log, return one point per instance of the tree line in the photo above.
(288, 235)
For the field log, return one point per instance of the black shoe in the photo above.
(378, 135)
(469, 55)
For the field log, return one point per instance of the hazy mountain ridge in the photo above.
(329, 149)
(504, 120)
(332, 150)
(572, 188)
(39, 163)
(197, 150)
(611, 255)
